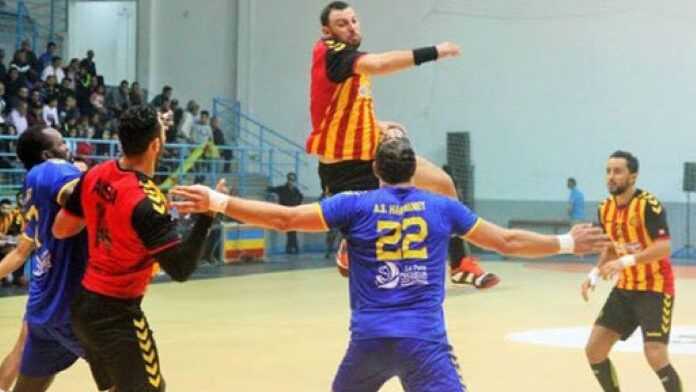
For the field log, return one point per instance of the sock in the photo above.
(606, 375)
(670, 379)
(457, 250)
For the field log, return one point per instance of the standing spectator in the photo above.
(165, 94)
(50, 112)
(187, 121)
(55, 69)
(18, 117)
(88, 63)
(3, 68)
(289, 195)
(201, 132)
(83, 90)
(117, 101)
(30, 56)
(136, 94)
(576, 202)
(219, 140)
(47, 57)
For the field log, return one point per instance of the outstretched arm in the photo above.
(581, 239)
(200, 199)
(399, 60)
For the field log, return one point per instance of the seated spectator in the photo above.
(23, 66)
(201, 132)
(18, 117)
(3, 68)
(166, 94)
(54, 69)
(13, 82)
(3, 103)
(22, 96)
(70, 127)
(71, 72)
(117, 101)
(50, 88)
(35, 116)
(69, 110)
(88, 63)
(97, 100)
(172, 132)
(50, 112)
(47, 57)
(96, 126)
(136, 94)
(30, 56)
(64, 90)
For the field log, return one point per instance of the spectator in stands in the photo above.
(117, 101)
(576, 202)
(83, 90)
(18, 117)
(64, 90)
(71, 72)
(13, 82)
(30, 56)
(136, 94)
(174, 105)
(289, 195)
(219, 140)
(69, 110)
(201, 132)
(88, 63)
(35, 116)
(50, 87)
(55, 69)
(97, 99)
(3, 103)
(3, 68)
(184, 133)
(50, 112)
(96, 126)
(35, 98)
(26, 72)
(165, 94)
(47, 57)
(10, 227)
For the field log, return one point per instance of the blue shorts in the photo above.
(49, 350)
(422, 366)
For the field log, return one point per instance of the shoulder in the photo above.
(651, 201)
(149, 191)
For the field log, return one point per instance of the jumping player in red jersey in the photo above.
(128, 227)
(346, 131)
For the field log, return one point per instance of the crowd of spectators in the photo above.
(72, 97)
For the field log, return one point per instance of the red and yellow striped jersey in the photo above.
(343, 116)
(632, 228)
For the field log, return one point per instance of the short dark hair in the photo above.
(31, 145)
(56, 58)
(572, 181)
(51, 44)
(166, 88)
(137, 129)
(5, 201)
(205, 113)
(395, 160)
(334, 5)
(631, 160)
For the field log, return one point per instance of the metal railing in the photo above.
(283, 154)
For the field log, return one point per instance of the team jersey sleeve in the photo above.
(65, 176)
(340, 61)
(154, 225)
(338, 210)
(656, 219)
(74, 203)
(462, 220)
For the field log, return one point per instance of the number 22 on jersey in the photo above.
(391, 234)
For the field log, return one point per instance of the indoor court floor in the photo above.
(287, 331)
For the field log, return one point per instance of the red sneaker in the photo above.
(470, 272)
(342, 261)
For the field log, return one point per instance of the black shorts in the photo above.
(347, 176)
(627, 310)
(118, 340)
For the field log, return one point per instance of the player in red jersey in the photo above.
(346, 131)
(128, 227)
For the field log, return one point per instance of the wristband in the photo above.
(218, 201)
(593, 276)
(423, 55)
(567, 244)
(628, 260)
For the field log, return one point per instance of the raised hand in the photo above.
(588, 239)
(447, 49)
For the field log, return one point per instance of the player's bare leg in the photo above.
(599, 345)
(464, 268)
(9, 369)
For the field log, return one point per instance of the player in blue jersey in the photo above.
(56, 265)
(397, 243)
